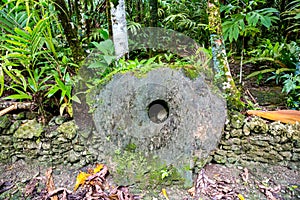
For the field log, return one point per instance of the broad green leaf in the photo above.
(23, 51)
(235, 33)
(106, 47)
(32, 85)
(266, 21)
(76, 99)
(252, 18)
(64, 59)
(150, 61)
(109, 59)
(59, 83)
(98, 64)
(289, 85)
(104, 34)
(52, 91)
(16, 55)
(18, 96)
(63, 94)
(256, 73)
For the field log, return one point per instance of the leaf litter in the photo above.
(89, 186)
(213, 182)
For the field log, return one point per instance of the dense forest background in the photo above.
(45, 42)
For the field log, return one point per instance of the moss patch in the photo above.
(146, 172)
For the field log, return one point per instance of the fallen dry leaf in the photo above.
(50, 183)
(80, 180)
(284, 116)
(164, 192)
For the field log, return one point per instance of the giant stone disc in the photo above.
(162, 113)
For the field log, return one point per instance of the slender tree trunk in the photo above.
(153, 12)
(223, 75)
(119, 28)
(70, 31)
(108, 17)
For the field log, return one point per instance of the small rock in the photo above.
(85, 134)
(78, 148)
(237, 120)
(286, 154)
(278, 129)
(29, 130)
(4, 122)
(220, 159)
(68, 129)
(14, 127)
(46, 145)
(19, 116)
(59, 120)
(258, 125)
(236, 133)
(73, 157)
(31, 115)
(52, 134)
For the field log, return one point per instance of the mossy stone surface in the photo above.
(4, 122)
(28, 130)
(68, 129)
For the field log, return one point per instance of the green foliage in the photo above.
(242, 20)
(281, 60)
(291, 16)
(30, 60)
(187, 17)
(291, 86)
(105, 57)
(284, 58)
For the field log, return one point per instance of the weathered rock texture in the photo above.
(56, 144)
(244, 140)
(255, 139)
(191, 130)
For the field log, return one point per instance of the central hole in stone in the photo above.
(158, 111)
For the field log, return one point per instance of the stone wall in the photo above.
(255, 139)
(22, 137)
(244, 140)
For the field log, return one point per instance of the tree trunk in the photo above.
(70, 31)
(108, 16)
(221, 67)
(119, 28)
(153, 12)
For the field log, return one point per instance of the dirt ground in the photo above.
(213, 182)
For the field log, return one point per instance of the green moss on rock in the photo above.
(4, 122)
(68, 129)
(29, 130)
(149, 172)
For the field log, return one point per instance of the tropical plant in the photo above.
(282, 56)
(105, 55)
(290, 16)
(291, 86)
(187, 17)
(242, 19)
(30, 60)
